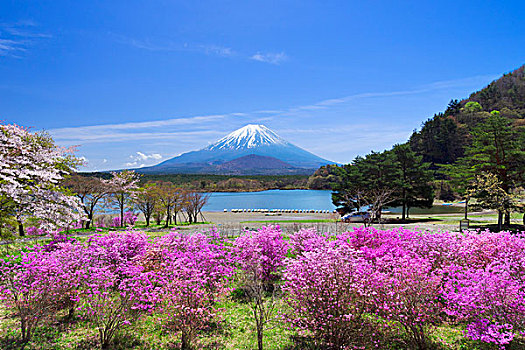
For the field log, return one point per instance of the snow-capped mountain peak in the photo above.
(249, 136)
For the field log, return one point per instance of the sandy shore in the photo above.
(235, 218)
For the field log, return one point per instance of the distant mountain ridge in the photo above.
(260, 165)
(252, 149)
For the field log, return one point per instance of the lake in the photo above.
(271, 199)
(294, 199)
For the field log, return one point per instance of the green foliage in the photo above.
(497, 151)
(397, 177)
(489, 193)
(414, 186)
(472, 107)
(224, 183)
(498, 148)
(325, 178)
(440, 141)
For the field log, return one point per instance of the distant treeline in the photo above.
(223, 183)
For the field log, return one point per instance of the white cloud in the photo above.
(207, 49)
(170, 46)
(154, 156)
(135, 165)
(272, 58)
(163, 138)
(201, 125)
(79, 136)
(217, 50)
(141, 159)
(11, 47)
(16, 38)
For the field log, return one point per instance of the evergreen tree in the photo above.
(440, 141)
(497, 148)
(413, 187)
(368, 181)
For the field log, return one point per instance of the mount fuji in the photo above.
(250, 150)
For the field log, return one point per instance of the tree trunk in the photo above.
(168, 218)
(500, 220)
(89, 221)
(147, 220)
(259, 326)
(507, 218)
(259, 339)
(25, 336)
(403, 214)
(21, 231)
(185, 343)
(122, 215)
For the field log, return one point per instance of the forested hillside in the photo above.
(444, 137)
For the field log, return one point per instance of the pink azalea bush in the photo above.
(261, 256)
(193, 274)
(262, 252)
(129, 219)
(35, 231)
(31, 286)
(328, 292)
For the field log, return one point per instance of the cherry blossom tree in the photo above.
(90, 191)
(123, 186)
(32, 169)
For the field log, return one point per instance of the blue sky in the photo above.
(137, 82)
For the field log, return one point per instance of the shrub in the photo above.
(193, 274)
(328, 295)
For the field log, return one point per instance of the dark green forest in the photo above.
(223, 183)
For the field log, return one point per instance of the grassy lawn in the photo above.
(236, 331)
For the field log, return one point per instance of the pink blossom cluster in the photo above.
(32, 168)
(35, 231)
(194, 274)
(129, 219)
(262, 252)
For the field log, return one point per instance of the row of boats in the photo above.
(311, 211)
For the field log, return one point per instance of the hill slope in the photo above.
(259, 165)
(443, 138)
